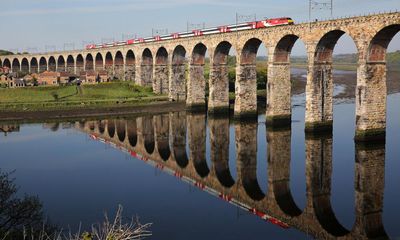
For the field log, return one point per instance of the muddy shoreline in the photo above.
(48, 115)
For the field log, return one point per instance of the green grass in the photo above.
(53, 97)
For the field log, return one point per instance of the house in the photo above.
(19, 82)
(102, 76)
(49, 78)
(88, 77)
(64, 77)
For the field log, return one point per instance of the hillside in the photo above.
(5, 52)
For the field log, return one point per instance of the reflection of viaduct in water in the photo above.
(161, 140)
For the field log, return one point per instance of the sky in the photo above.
(39, 25)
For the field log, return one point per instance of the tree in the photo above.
(17, 214)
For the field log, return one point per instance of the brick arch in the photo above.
(42, 64)
(147, 57)
(378, 46)
(148, 134)
(197, 81)
(131, 129)
(80, 64)
(99, 62)
(130, 65)
(162, 136)
(109, 64)
(34, 65)
(70, 64)
(25, 66)
(161, 71)
(101, 126)
(221, 53)
(121, 130)
(326, 44)
(146, 68)
(283, 48)
(89, 62)
(219, 80)
(177, 83)
(111, 128)
(198, 54)
(16, 65)
(119, 66)
(61, 64)
(7, 63)
(162, 56)
(249, 51)
(52, 64)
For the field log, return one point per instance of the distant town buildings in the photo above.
(50, 78)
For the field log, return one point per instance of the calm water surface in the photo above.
(199, 178)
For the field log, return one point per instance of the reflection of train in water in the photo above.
(199, 32)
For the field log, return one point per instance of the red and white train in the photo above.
(199, 32)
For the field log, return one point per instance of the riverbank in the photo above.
(104, 99)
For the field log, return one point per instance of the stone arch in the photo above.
(132, 132)
(246, 158)
(246, 80)
(148, 134)
(219, 150)
(162, 135)
(25, 66)
(130, 65)
(119, 66)
(70, 64)
(89, 63)
(7, 63)
(177, 82)
(102, 126)
(92, 125)
(378, 46)
(219, 81)
(42, 64)
(61, 64)
(121, 130)
(319, 110)
(80, 64)
(197, 82)
(16, 65)
(178, 138)
(1, 63)
(52, 64)
(278, 160)
(197, 137)
(109, 65)
(111, 128)
(371, 90)
(279, 109)
(34, 65)
(99, 62)
(161, 81)
(146, 68)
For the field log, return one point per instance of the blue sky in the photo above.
(37, 23)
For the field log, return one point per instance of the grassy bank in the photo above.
(72, 97)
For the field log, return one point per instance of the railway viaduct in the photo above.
(162, 141)
(176, 67)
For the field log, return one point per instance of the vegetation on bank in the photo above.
(72, 96)
(23, 218)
